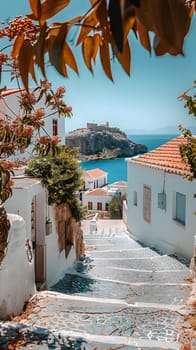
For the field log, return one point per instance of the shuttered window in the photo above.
(54, 127)
(135, 198)
(90, 205)
(180, 208)
(147, 203)
(99, 206)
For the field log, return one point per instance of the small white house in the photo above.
(94, 178)
(121, 186)
(161, 204)
(99, 198)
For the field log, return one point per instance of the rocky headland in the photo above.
(103, 142)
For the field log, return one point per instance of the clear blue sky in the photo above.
(146, 101)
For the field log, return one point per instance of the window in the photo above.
(90, 205)
(180, 214)
(99, 206)
(96, 184)
(147, 203)
(135, 198)
(106, 206)
(54, 127)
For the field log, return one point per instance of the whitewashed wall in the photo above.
(91, 183)
(163, 232)
(20, 202)
(51, 265)
(95, 200)
(17, 283)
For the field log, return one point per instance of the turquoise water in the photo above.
(152, 141)
(117, 168)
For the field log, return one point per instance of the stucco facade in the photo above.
(94, 178)
(153, 216)
(50, 236)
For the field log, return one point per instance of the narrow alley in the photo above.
(120, 296)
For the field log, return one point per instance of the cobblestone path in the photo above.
(120, 296)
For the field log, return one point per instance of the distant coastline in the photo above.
(117, 168)
(152, 141)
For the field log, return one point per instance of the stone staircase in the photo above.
(120, 296)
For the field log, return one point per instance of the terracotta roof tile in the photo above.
(119, 183)
(93, 173)
(166, 157)
(101, 192)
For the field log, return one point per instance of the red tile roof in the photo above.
(93, 174)
(166, 157)
(119, 183)
(101, 192)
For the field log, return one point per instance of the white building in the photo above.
(29, 200)
(121, 186)
(161, 204)
(99, 198)
(9, 105)
(94, 178)
(43, 243)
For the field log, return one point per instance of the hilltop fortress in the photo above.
(103, 142)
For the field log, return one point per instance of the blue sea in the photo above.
(117, 168)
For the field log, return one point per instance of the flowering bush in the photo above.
(18, 132)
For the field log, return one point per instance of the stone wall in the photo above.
(69, 231)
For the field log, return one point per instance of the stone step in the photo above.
(32, 337)
(114, 321)
(102, 251)
(139, 292)
(137, 276)
(154, 263)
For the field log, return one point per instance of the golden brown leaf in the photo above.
(69, 58)
(56, 42)
(97, 41)
(128, 24)
(88, 51)
(87, 26)
(74, 20)
(101, 13)
(26, 62)
(125, 57)
(94, 2)
(35, 7)
(143, 36)
(169, 20)
(17, 45)
(105, 59)
(50, 8)
(40, 49)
